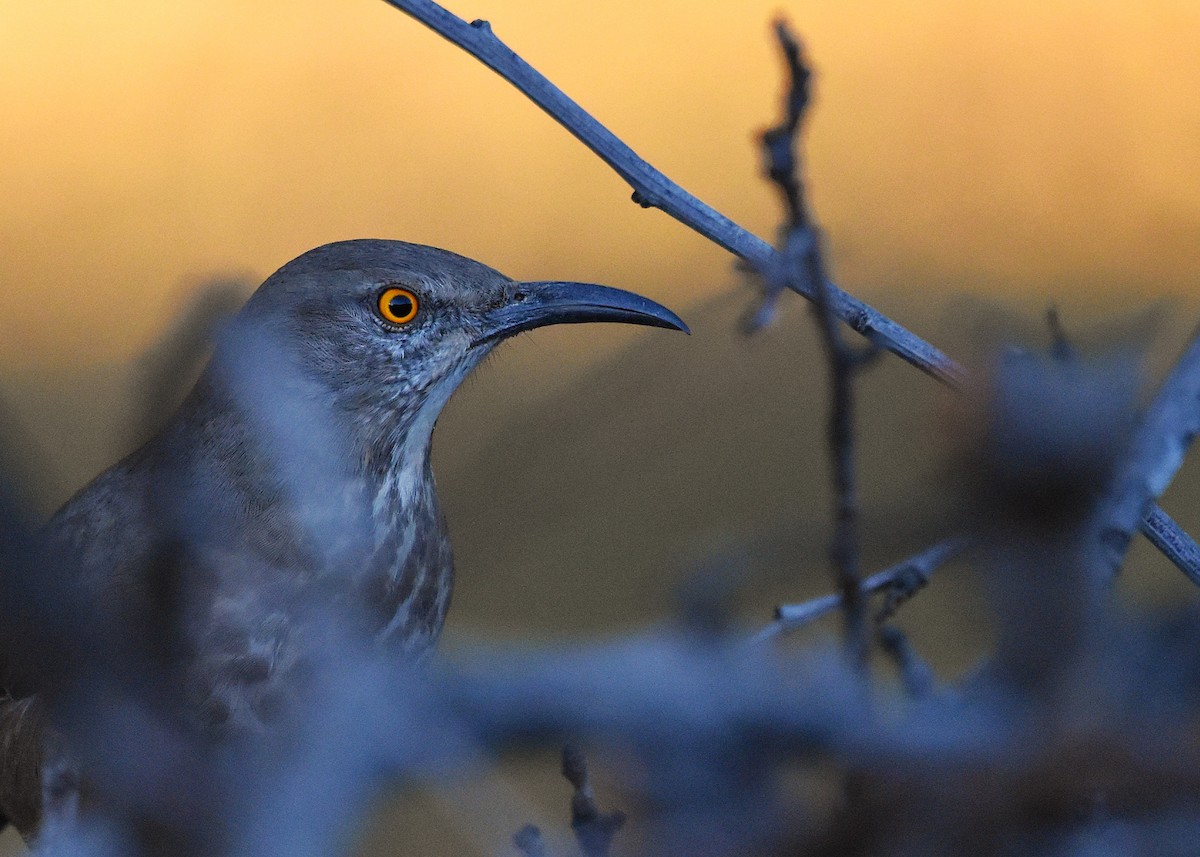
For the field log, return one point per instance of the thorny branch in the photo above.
(653, 189)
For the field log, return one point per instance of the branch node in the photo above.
(643, 199)
(859, 321)
(904, 586)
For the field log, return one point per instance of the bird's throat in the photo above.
(410, 573)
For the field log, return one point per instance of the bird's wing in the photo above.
(247, 656)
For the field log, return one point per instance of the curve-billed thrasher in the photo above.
(298, 468)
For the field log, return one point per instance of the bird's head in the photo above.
(385, 330)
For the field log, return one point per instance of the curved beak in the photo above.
(540, 304)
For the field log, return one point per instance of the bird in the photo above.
(297, 469)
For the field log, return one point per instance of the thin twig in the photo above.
(801, 253)
(653, 189)
(1156, 454)
(911, 573)
(1176, 545)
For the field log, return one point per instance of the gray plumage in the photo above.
(297, 471)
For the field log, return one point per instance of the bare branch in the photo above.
(779, 143)
(651, 188)
(1161, 530)
(911, 575)
(801, 255)
(1180, 548)
(1156, 454)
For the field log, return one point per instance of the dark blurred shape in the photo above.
(1056, 429)
(167, 370)
(594, 830)
(707, 595)
(528, 840)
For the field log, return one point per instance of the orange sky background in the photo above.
(148, 144)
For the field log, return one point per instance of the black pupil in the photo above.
(400, 306)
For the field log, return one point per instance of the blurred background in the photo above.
(971, 163)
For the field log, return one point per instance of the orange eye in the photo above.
(398, 306)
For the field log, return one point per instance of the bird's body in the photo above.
(297, 472)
